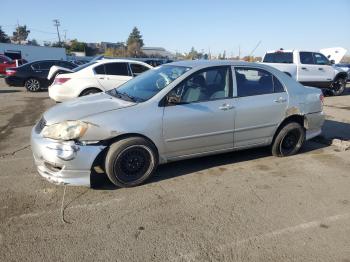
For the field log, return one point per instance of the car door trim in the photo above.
(199, 135)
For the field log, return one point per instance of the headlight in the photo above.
(67, 130)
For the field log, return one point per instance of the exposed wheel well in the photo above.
(341, 75)
(90, 88)
(293, 118)
(99, 161)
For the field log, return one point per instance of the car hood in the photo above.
(82, 107)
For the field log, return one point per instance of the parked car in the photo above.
(94, 77)
(176, 111)
(346, 68)
(6, 62)
(33, 76)
(309, 68)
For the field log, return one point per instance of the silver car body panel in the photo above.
(189, 130)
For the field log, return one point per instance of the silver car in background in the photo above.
(176, 111)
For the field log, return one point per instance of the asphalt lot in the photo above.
(242, 206)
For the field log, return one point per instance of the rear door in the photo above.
(41, 70)
(260, 106)
(116, 74)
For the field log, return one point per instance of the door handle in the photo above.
(226, 107)
(321, 69)
(101, 78)
(280, 100)
(304, 68)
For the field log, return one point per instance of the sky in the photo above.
(215, 25)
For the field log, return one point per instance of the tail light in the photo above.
(322, 98)
(60, 80)
(10, 72)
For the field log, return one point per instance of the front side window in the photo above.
(138, 69)
(148, 84)
(320, 59)
(205, 85)
(306, 58)
(117, 69)
(254, 81)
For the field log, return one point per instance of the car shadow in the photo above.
(9, 91)
(185, 167)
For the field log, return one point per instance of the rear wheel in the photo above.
(90, 91)
(129, 162)
(338, 86)
(32, 85)
(289, 140)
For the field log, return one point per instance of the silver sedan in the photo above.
(176, 111)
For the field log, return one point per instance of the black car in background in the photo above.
(33, 75)
(345, 67)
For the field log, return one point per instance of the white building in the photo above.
(32, 53)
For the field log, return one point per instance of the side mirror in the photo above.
(172, 99)
(332, 62)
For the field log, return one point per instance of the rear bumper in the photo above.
(313, 124)
(56, 92)
(14, 81)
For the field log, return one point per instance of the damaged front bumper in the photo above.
(64, 163)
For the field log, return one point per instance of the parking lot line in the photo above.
(191, 256)
(87, 206)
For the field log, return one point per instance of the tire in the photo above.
(90, 91)
(32, 85)
(338, 86)
(288, 140)
(129, 162)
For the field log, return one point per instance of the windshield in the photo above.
(83, 66)
(148, 84)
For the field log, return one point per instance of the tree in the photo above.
(33, 42)
(21, 34)
(134, 43)
(4, 37)
(76, 46)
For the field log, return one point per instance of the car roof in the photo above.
(207, 63)
(111, 60)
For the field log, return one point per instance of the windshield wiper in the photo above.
(124, 96)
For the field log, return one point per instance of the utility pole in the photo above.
(56, 23)
(65, 35)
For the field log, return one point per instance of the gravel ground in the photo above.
(242, 206)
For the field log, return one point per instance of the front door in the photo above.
(260, 106)
(202, 120)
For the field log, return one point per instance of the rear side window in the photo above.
(45, 65)
(254, 81)
(306, 58)
(138, 69)
(100, 70)
(119, 69)
(279, 57)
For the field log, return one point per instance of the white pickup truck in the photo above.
(309, 68)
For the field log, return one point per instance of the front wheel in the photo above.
(129, 162)
(32, 85)
(288, 140)
(338, 86)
